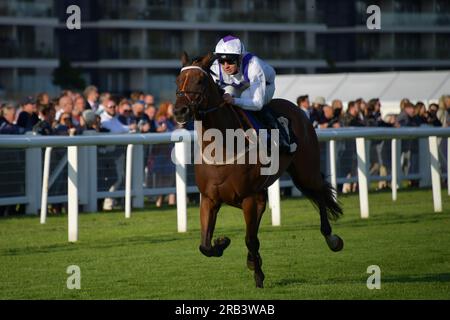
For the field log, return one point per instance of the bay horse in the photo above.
(242, 185)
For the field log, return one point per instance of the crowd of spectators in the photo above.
(75, 113)
(361, 113)
(89, 112)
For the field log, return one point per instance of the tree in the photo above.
(68, 77)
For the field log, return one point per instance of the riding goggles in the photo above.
(228, 58)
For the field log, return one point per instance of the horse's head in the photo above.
(196, 90)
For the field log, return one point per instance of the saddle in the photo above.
(268, 119)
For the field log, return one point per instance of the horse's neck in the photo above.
(224, 118)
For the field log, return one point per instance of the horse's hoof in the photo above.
(206, 251)
(251, 261)
(259, 280)
(220, 244)
(335, 243)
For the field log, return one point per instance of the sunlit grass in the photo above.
(145, 258)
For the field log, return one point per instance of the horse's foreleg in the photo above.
(208, 215)
(253, 210)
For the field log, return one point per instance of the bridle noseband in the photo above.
(200, 96)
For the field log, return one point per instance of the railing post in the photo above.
(435, 173)
(137, 181)
(424, 163)
(33, 176)
(44, 198)
(362, 177)
(394, 168)
(92, 179)
(333, 172)
(448, 166)
(83, 174)
(181, 181)
(274, 202)
(128, 175)
(72, 157)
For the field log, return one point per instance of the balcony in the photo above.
(277, 54)
(206, 15)
(401, 54)
(139, 53)
(26, 51)
(26, 9)
(161, 52)
(403, 19)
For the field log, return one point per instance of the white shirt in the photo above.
(251, 95)
(113, 124)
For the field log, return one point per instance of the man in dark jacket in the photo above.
(7, 116)
(28, 117)
(351, 117)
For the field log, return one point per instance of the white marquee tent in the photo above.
(390, 87)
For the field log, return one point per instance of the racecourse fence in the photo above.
(81, 170)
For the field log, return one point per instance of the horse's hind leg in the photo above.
(334, 242)
(253, 208)
(208, 215)
(322, 195)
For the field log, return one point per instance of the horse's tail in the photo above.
(326, 198)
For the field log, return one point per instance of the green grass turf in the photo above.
(145, 258)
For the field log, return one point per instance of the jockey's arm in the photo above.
(253, 98)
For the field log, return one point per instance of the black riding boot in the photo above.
(273, 123)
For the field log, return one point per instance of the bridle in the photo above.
(200, 96)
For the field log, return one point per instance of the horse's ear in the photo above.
(208, 60)
(184, 59)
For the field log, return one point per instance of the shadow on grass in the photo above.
(439, 277)
(288, 282)
(107, 244)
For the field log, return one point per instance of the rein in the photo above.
(201, 94)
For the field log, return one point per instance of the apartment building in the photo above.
(135, 44)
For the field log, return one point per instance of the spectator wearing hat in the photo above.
(316, 111)
(28, 117)
(93, 121)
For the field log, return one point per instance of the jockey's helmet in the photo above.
(230, 48)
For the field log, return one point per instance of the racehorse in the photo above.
(242, 185)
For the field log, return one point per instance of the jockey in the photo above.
(248, 82)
